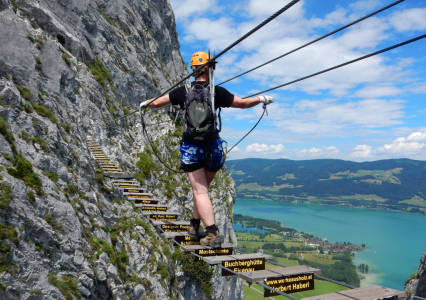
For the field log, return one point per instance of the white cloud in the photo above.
(330, 118)
(361, 151)
(410, 146)
(263, 148)
(409, 19)
(419, 88)
(265, 8)
(365, 5)
(377, 92)
(417, 137)
(185, 8)
(402, 147)
(317, 152)
(217, 33)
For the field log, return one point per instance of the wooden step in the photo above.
(102, 160)
(161, 216)
(259, 276)
(144, 200)
(218, 260)
(112, 170)
(365, 293)
(152, 207)
(114, 174)
(138, 195)
(184, 239)
(132, 189)
(241, 263)
(130, 186)
(172, 226)
(107, 165)
(194, 248)
(118, 181)
(119, 176)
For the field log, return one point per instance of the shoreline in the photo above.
(325, 204)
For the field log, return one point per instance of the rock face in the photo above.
(72, 69)
(416, 286)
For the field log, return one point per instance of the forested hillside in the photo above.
(394, 181)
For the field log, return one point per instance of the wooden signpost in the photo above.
(243, 265)
(186, 240)
(212, 252)
(174, 227)
(289, 284)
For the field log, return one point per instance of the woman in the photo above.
(201, 160)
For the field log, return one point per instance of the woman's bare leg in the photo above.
(203, 208)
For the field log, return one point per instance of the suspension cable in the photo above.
(264, 110)
(227, 48)
(344, 64)
(316, 40)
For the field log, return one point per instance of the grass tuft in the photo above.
(5, 131)
(44, 112)
(23, 169)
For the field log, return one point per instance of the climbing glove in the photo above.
(266, 99)
(144, 104)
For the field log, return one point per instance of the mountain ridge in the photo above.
(397, 182)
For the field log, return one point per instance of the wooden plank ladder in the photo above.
(250, 267)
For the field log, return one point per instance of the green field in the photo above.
(321, 288)
(416, 201)
(284, 261)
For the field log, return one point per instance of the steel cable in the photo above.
(316, 40)
(227, 48)
(344, 64)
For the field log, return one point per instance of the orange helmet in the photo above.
(199, 58)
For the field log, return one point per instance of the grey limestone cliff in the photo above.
(416, 286)
(72, 69)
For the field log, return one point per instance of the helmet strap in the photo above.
(201, 71)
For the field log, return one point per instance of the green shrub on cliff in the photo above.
(23, 169)
(5, 131)
(7, 233)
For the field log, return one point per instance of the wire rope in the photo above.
(344, 64)
(316, 40)
(279, 12)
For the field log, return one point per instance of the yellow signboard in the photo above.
(289, 284)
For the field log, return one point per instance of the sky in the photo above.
(370, 110)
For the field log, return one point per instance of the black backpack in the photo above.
(200, 117)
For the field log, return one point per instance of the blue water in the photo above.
(395, 241)
(239, 227)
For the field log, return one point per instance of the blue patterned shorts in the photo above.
(196, 156)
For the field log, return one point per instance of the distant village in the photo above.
(322, 245)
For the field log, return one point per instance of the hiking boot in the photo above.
(193, 230)
(211, 240)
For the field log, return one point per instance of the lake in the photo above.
(395, 241)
